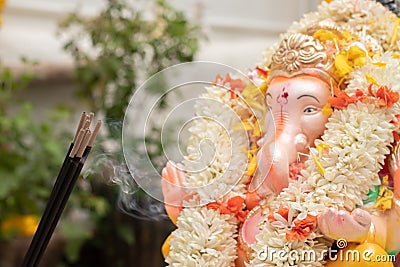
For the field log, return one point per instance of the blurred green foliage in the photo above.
(124, 49)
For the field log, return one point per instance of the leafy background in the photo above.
(125, 48)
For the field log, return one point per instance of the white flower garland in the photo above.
(204, 238)
(358, 139)
(217, 116)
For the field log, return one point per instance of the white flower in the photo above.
(217, 152)
(388, 75)
(204, 238)
(272, 249)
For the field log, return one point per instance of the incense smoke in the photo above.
(155, 130)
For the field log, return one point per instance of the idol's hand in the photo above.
(172, 190)
(341, 224)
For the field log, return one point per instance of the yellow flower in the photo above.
(257, 130)
(347, 35)
(396, 56)
(251, 94)
(24, 225)
(321, 147)
(244, 124)
(327, 110)
(395, 32)
(342, 64)
(325, 35)
(380, 64)
(263, 88)
(251, 168)
(346, 60)
(319, 165)
(371, 79)
(165, 249)
(357, 55)
(385, 196)
(2, 4)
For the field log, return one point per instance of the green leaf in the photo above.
(8, 183)
(75, 235)
(126, 233)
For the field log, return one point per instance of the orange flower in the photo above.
(234, 206)
(234, 84)
(284, 212)
(301, 228)
(216, 206)
(385, 95)
(396, 136)
(342, 100)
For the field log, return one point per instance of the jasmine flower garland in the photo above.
(205, 236)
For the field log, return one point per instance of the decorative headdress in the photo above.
(302, 54)
(325, 50)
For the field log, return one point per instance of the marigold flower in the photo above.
(342, 64)
(327, 110)
(342, 100)
(325, 35)
(284, 212)
(234, 84)
(234, 206)
(24, 225)
(385, 95)
(301, 228)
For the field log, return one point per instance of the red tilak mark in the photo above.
(282, 99)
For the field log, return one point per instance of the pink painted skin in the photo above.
(173, 191)
(337, 224)
(295, 105)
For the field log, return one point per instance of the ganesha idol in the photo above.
(301, 81)
(327, 180)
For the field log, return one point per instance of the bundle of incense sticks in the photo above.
(63, 186)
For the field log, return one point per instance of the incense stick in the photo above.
(66, 179)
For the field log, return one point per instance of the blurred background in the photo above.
(59, 58)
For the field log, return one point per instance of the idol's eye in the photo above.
(310, 110)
